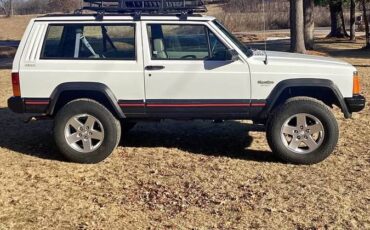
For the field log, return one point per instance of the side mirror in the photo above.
(225, 55)
(232, 55)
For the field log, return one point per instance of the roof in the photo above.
(115, 17)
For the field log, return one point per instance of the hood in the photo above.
(294, 59)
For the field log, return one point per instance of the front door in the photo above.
(189, 73)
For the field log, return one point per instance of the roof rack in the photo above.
(139, 7)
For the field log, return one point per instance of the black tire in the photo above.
(111, 127)
(312, 107)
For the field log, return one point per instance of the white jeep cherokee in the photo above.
(97, 74)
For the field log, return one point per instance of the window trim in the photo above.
(134, 25)
(208, 41)
(206, 27)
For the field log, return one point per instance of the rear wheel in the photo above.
(86, 132)
(302, 131)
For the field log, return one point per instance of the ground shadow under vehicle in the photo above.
(228, 139)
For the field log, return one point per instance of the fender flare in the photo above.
(84, 86)
(309, 83)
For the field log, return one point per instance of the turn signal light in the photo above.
(16, 85)
(356, 84)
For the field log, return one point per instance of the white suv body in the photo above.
(168, 68)
(128, 79)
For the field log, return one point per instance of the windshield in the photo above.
(247, 51)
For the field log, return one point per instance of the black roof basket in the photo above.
(146, 6)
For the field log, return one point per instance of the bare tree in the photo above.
(309, 23)
(3, 6)
(297, 26)
(353, 21)
(6, 7)
(11, 9)
(337, 19)
(366, 21)
(63, 6)
(31, 7)
(343, 22)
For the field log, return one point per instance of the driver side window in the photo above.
(219, 52)
(185, 42)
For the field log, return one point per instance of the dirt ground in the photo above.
(184, 175)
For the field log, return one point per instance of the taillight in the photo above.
(356, 84)
(16, 85)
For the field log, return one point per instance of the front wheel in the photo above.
(303, 131)
(86, 132)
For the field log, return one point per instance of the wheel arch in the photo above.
(70, 91)
(321, 89)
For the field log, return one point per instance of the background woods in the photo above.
(241, 15)
(37, 6)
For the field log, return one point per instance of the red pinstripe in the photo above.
(36, 102)
(132, 105)
(193, 105)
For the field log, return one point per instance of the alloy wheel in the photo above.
(84, 133)
(302, 133)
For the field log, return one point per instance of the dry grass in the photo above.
(14, 27)
(195, 175)
(347, 50)
(11, 29)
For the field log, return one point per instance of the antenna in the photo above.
(264, 31)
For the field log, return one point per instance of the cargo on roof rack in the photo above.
(146, 6)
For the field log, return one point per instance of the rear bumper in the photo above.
(16, 104)
(22, 105)
(356, 103)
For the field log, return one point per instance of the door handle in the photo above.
(151, 67)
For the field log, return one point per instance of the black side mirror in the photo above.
(232, 55)
(225, 55)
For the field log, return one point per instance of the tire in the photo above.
(288, 140)
(84, 144)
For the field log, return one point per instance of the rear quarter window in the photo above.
(89, 42)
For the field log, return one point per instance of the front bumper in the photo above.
(356, 103)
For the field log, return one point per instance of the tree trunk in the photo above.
(343, 22)
(297, 27)
(11, 9)
(3, 9)
(336, 10)
(366, 21)
(353, 21)
(4, 6)
(309, 23)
